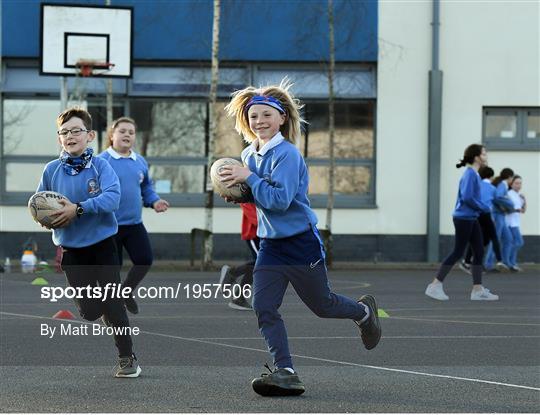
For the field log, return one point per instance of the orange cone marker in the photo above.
(64, 314)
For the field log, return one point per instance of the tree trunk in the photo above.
(331, 132)
(209, 242)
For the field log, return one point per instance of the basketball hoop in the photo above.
(90, 67)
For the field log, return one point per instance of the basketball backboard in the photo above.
(71, 34)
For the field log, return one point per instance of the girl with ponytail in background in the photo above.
(468, 208)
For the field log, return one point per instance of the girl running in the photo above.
(136, 191)
(291, 250)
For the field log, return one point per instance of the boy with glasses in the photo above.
(86, 225)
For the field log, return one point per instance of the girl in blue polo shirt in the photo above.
(136, 191)
(85, 226)
(469, 206)
(291, 250)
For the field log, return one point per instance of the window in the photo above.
(353, 152)
(511, 128)
(171, 110)
(29, 127)
(29, 142)
(173, 137)
(23, 177)
(229, 143)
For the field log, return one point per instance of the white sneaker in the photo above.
(435, 291)
(501, 267)
(483, 295)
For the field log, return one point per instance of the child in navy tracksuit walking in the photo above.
(135, 184)
(291, 250)
(86, 225)
(468, 208)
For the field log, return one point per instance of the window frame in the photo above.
(182, 200)
(12, 198)
(521, 141)
(367, 200)
(364, 201)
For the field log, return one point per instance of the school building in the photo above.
(415, 83)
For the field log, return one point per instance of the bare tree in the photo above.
(331, 132)
(13, 119)
(209, 242)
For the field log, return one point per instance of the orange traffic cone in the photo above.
(64, 314)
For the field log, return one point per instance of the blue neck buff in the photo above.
(74, 165)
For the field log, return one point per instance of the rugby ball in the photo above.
(240, 193)
(43, 204)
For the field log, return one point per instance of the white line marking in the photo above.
(353, 287)
(463, 308)
(412, 372)
(463, 322)
(319, 359)
(384, 337)
(505, 316)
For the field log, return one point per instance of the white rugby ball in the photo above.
(240, 193)
(43, 204)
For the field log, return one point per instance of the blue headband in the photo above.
(265, 100)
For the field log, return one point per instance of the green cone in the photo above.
(40, 281)
(382, 313)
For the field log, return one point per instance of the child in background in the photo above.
(291, 249)
(136, 191)
(501, 206)
(86, 225)
(243, 274)
(489, 233)
(468, 207)
(513, 220)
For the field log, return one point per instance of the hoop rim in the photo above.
(86, 67)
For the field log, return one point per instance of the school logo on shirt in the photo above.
(141, 176)
(92, 186)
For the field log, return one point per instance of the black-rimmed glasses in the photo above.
(75, 132)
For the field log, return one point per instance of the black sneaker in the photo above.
(131, 305)
(127, 367)
(279, 382)
(370, 330)
(240, 303)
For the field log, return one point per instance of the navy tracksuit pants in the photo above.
(298, 259)
(135, 239)
(98, 265)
